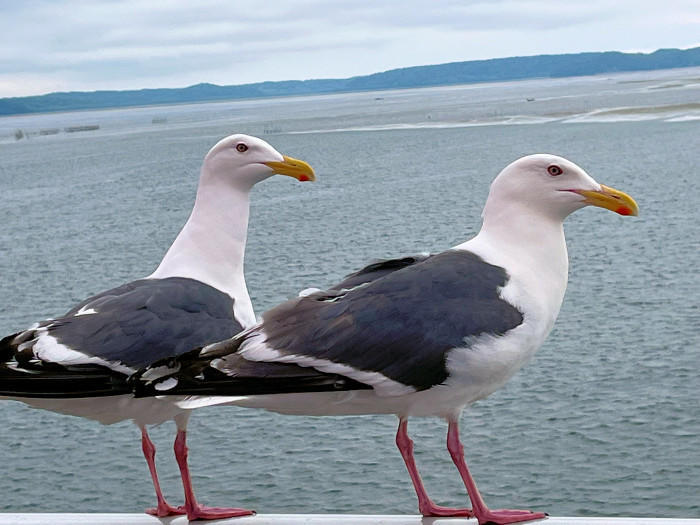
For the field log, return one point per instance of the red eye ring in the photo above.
(554, 170)
(241, 147)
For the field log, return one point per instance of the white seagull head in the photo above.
(553, 186)
(244, 161)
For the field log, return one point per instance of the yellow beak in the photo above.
(611, 199)
(296, 168)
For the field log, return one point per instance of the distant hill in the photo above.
(497, 69)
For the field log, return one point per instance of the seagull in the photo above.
(79, 363)
(415, 336)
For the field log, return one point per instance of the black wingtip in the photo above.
(53, 383)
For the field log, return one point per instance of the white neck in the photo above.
(533, 248)
(211, 245)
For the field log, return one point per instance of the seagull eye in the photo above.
(241, 147)
(554, 170)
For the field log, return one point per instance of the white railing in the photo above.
(307, 519)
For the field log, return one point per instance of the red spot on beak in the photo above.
(305, 178)
(624, 210)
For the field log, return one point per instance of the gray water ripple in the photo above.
(604, 421)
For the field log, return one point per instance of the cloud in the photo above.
(131, 44)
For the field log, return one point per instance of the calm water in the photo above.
(604, 421)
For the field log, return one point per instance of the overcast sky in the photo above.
(71, 45)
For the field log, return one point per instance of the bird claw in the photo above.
(201, 512)
(164, 510)
(506, 516)
(438, 511)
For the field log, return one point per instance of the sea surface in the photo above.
(604, 421)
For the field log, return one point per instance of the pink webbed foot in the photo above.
(431, 510)
(164, 510)
(202, 512)
(505, 516)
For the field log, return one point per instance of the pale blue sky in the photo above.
(73, 45)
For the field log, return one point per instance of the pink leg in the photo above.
(425, 504)
(149, 452)
(194, 510)
(481, 511)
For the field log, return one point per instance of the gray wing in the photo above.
(95, 346)
(398, 326)
(378, 269)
